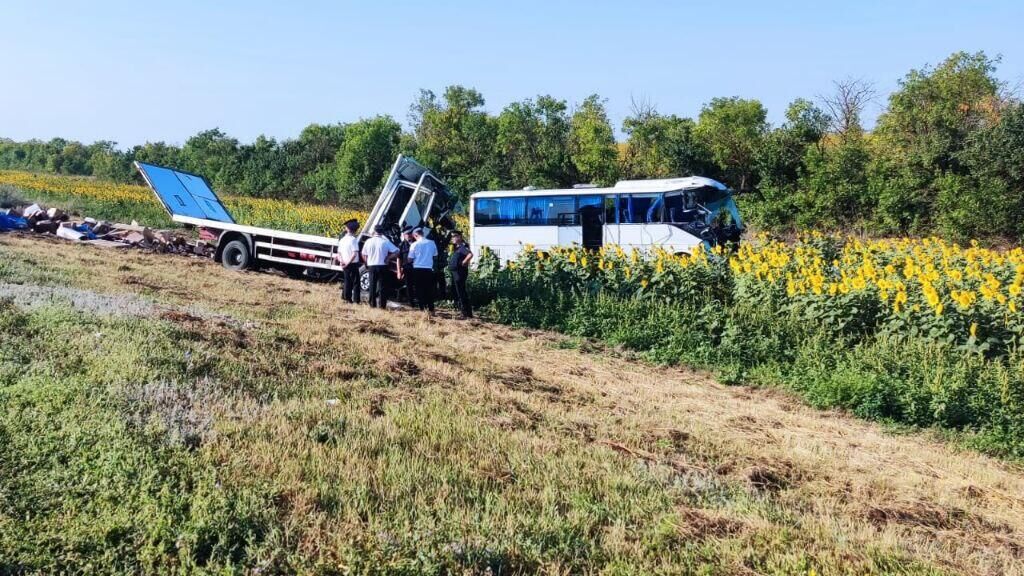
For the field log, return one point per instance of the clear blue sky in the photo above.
(138, 71)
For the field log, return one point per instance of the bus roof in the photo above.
(621, 187)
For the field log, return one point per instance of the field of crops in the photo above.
(128, 202)
(911, 331)
(926, 288)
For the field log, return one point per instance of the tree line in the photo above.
(946, 155)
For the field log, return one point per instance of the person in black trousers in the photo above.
(349, 258)
(458, 265)
(378, 252)
(421, 255)
(405, 266)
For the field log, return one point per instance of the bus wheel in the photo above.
(235, 255)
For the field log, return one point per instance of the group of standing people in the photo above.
(413, 264)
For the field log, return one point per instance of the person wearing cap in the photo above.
(378, 251)
(458, 265)
(421, 255)
(405, 267)
(348, 257)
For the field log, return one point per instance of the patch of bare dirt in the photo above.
(333, 369)
(514, 414)
(931, 515)
(180, 317)
(442, 358)
(376, 328)
(400, 367)
(672, 438)
(523, 379)
(774, 475)
(132, 280)
(699, 524)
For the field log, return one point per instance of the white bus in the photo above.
(675, 214)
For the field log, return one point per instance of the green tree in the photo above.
(781, 160)
(661, 146)
(262, 168)
(592, 149)
(532, 144)
(309, 159)
(833, 188)
(456, 137)
(990, 201)
(159, 153)
(366, 156)
(109, 163)
(733, 129)
(923, 134)
(213, 154)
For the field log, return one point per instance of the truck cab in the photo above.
(412, 196)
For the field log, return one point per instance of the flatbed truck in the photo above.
(412, 196)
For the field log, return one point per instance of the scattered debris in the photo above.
(69, 233)
(11, 221)
(57, 222)
(45, 227)
(32, 211)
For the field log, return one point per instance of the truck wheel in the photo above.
(235, 255)
(364, 280)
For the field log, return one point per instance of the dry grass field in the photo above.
(161, 414)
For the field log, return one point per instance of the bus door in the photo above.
(591, 218)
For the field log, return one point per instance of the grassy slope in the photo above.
(192, 441)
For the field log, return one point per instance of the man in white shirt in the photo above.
(421, 255)
(378, 252)
(348, 257)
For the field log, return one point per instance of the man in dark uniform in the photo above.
(458, 265)
(406, 266)
(349, 258)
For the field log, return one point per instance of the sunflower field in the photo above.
(910, 331)
(126, 202)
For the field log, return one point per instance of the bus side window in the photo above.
(500, 211)
(549, 210)
(640, 208)
(485, 211)
(611, 213)
(537, 210)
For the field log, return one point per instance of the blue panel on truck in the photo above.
(184, 194)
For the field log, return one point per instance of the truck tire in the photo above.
(235, 255)
(364, 280)
(295, 272)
